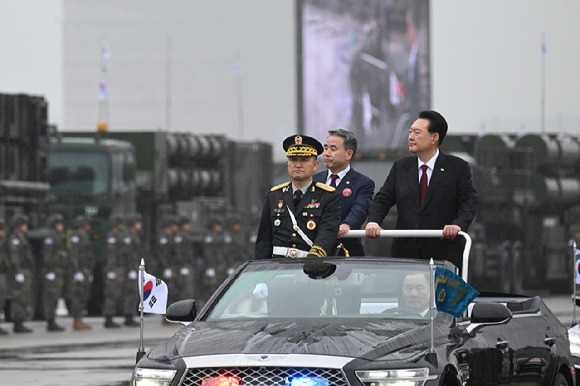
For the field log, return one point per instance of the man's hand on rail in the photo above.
(373, 231)
(449, 231)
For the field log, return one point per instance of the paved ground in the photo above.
(153, 330)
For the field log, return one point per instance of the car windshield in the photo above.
(337, 288)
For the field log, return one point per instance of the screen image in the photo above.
(364, 68)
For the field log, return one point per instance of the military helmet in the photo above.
(18, 220)
(184, 220)
(116, 220)
(54, 219)
(80, 221)
(169, 221)
(134, 218)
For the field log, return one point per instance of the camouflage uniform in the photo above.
(135, 252)
(20, 272)
(3, 269)
(214, 259)
(55, 267)
(185, 259)
(167, 257)
(82, 265)
(114, 272)
(236, 244)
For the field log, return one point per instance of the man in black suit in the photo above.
(357, 190)
(450, 202)
(300, 218)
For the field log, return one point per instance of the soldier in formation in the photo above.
(54, 269)
(166, 256)
(82, 264)
(114, 274)
(20, 269)
(214, 258)
(3, 269)
(133, 255)
(236, 251)
(185, 260)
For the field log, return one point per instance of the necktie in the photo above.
(423, 184)
(333, 178)
(296, 197)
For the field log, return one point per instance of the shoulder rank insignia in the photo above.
(325, 187)
(278, 187)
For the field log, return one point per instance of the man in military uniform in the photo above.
(299, 218)
(167, 256)
(235, 243)
(186, 255)
(54, 268)
(114, 272)
(214, 257)
(20, 271)
(3, 269)
(82, 264)
(134, 253)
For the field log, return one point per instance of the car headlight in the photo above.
(399, 377)
(152, 377)
(574, 338)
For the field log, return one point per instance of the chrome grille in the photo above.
(264, 376)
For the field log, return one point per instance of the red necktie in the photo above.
(423, 184)
(333, 178)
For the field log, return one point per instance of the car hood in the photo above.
(348, 338)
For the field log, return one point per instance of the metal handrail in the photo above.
(419, 233)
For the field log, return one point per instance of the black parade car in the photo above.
(355, 321)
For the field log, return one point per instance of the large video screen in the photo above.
(365, 68)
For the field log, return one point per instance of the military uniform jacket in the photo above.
(19, 254)
(317, 215)
(81, 254)
(55, 253)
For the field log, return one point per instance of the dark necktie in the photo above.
(423, 184)
(296, 197)
(333, 178)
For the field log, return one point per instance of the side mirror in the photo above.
(182, 311)
(488, 313)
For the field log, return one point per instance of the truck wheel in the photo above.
(560, 380)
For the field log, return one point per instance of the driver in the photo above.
(416, 293)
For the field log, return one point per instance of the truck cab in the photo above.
(94, 177)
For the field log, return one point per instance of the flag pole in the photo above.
(432, 302)
(573, 244)
(141, 350)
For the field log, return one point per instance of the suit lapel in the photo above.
(287, 196)
(412, 173)
(320, 177)
(348, 180)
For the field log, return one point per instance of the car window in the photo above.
(350, 290)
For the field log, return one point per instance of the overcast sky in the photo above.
(486, 61)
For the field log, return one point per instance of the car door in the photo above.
(534, 341)
(490, 356)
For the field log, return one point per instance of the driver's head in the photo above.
(416, 292)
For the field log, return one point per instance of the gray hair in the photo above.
(350, 141)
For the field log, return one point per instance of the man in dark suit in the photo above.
(300, 218)
(449, 203)
(357, 190)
